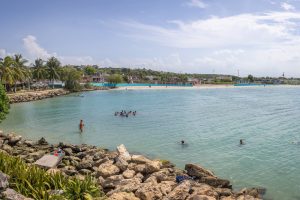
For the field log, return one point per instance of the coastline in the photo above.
(125, 176)
(198, 87)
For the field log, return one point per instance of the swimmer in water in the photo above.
(182, 142)
(81, 125)
(241, 142)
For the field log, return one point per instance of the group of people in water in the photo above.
(123, 113)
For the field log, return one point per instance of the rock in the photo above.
(42, 141)
(107, 169)
(140, 168)
(164, 175)
(13, 139)
(112, 181)
(99, 162)
(128, 173)
(10, 194)
(84, 165)
(126, 185)
(152, 180)
(216, 182)
(121, 163)
(85, 171)
(36, 155)
(7, 148)
(29, 143)
(152, 166)
(148, 191)
(3, 181)
(166, 187)
(139, 159)
(202, 189)
(123, 153)
(201, 197)
(68, 151)
(123, 196)
(180, 192)
(223, 191)
(197, 171)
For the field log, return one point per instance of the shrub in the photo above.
(4, 103)
(34, 182)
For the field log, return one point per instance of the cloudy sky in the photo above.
(259, 37)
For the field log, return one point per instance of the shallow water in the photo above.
(211, 121)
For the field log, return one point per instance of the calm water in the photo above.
(211, 121)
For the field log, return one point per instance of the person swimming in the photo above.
(241, 142)
(182, 142)
(81, 125)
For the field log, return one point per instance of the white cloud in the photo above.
(260, 44)
(196, 3)
(287, 6)
(36, 51)
(2, 53)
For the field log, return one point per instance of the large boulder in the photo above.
(123, 153)
(42, 141)
(3, 181)
(126, 185)
(123, 196)
(152, 166)
(197, 171)
(201, 197)
(121, 163)
(166, 187)
(107, 169)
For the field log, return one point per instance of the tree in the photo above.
(250, 78)
(53, 67)
(20, 72)
(72, 78)
(7, 76)
(4, 103)
(89, 70)
(115, 79)
(39, 70)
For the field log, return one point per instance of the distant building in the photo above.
(193, 81)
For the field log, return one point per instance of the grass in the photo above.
(34, 182)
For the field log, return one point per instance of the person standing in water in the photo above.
(81, 125)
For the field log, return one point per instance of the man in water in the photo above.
(182, 142)
(81, 125)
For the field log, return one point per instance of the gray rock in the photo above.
(108, 169)
(112, 181)
(84, 165)
(216, 182)
(139, 159)
(197, 171)
(121, 163)
(42, 141)
(3, 181)
(68, 151)
(128, 173)
(10, 194)
(123, 153)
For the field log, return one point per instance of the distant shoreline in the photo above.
(204, 86)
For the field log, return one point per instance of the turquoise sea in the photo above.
(211, 121)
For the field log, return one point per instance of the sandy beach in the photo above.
(195, 87)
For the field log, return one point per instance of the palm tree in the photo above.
(53, 65)
(7, 74)
(39, 70)
(20, 71)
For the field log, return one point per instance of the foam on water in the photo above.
(211, 121)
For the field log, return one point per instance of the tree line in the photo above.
(15, 71)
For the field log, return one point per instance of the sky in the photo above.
(258, 37)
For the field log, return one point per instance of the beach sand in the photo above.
(204, 86)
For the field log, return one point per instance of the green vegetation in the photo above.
(72, 78)
(34, 182)
(115, 79)
(89, 70)
(4, 103)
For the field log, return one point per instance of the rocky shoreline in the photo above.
(123, 176)
(35, 95)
